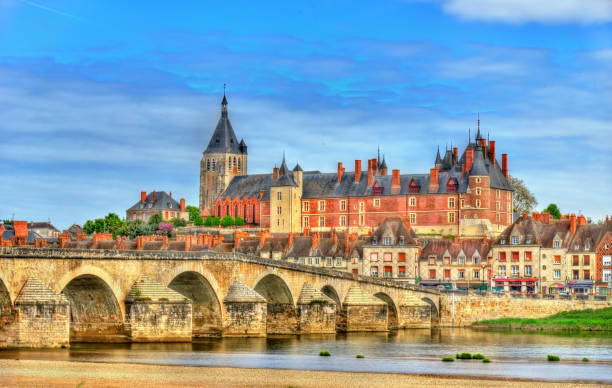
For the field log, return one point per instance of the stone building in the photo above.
(465, 195)
(223, 159)
(157, 202)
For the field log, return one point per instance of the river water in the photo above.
(513, 354)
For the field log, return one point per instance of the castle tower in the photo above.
(223, 159)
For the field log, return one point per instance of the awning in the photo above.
(516, 280)
(580, 284)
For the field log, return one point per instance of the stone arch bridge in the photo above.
(49, 297)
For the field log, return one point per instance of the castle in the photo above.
(467, 195)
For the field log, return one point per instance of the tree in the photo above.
(194, 215)
(7, 222)
(523, 199)
(99, 225)
(554, 211)
(239, 221)
(89, 227)
(227, 221)
(178, 222)
(155, 219)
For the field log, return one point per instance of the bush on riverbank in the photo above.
(552, 357)
(600, 320)
(486, 360)
(448, 359)
(324, 353)
(464, 356)
(478, 356)
(359, 356)
(585, 359)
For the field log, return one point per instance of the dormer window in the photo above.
(374, 240)
(401, 240)
(502, 241)
(461, 260)
(169, 205)
(576, 247)
(587, 246)
(528, 241)
(515, 240)
(387, 241)
(557, 243)
(150, 205)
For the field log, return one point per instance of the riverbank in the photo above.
(575, 320)
(35, 373)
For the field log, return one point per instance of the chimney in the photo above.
(469, 159)
(340, 171)
(456, 239)
(395, 179)
(346, 242)
(573, 224)
(262, 238)
(143, 196)
(315, 240)
(371, 167)
(170, 194)
(165, 242)
(357, 170)
(182, 204)
(433, 180)
(455, 154)
(492, 151)
(582, 220)
(237, 237)
(154, 196)
(276, 173)
(290, 242)
(188, 243)
(505, 165)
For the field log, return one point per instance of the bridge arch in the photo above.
(6, 302)
(392, 320)
(95, 312)
(435, 313)
(331, 292)
(206, 309)
(281, 313)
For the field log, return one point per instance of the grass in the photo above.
(486, 360)
(448, 359)
(552, 357)
(324, 353)
(585, 359)
(360, 356)
(575, 320)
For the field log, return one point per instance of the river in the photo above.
(513, 354)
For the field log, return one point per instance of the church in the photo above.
(467, 195)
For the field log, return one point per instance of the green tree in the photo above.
(194, 215)
(227, 221)
(523, 199)
(208, 221)
(554, 211)
(7, 222)
(155, 219)
(239, 221)
(112, 220)
(89, 227)
(99, 225)
(178, 222)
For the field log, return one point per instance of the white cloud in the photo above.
(525, 11)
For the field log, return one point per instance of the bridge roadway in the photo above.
(97, 283)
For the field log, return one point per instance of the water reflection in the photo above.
(405, 351)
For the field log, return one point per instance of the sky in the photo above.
(100, 100)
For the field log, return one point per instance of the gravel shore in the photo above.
(34, 373)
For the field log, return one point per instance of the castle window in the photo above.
(497, 205)
(413, 188)
(207, 164)
(478, 191)
(377, 202)
(374, 256)
(412, 218)
(253, 215)
(305, 206)
(322, 206)
(227, 211)
(342, 220)
(587, 246)
(497, 193)
(239, 164)
(305, 221)
(477, 179)
(235, 211)
(213, 164)
(234, 161)
(478, 203)
(279, 210)
(361, 219)
(451, 187)
(451, 217)
(412, 201)
(219, 211)
(229, 163)
(557, 243)
(244, 210)
(401, 242)
(343, 205)
(451, 202)
(387, 241)
(462, 203)
(321, 221)
(515, 240)
(279, 196)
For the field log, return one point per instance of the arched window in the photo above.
(219, 211)
(253, 214)
(239, 164)
(207, 164)
(234, 161)
(213, 165)
(236, 211)
(227, 212)
(244, 212)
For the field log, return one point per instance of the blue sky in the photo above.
(99, 100)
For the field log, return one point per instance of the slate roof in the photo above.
(223, 138)
(438, 247)
(9, 232)
(396, 227)
(162, 202)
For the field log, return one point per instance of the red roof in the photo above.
(21, 229)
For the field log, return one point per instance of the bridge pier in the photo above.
(246, 312)
(363, 312)
(316, 312)
(414, 313)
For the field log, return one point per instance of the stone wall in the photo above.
(281, 319)
(467, 309)
(316, 318)
(39, 325)
(366, 317)
(159, 321)
(245, 319)
(415, 317)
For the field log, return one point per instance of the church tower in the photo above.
(223, 159)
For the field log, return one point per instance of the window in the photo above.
(376, 202)
(374, 240)
(575, 260)
(527, 270)
(355, 271)
(461, 260)
(432, 273)
(557, 274)
(362, 220)
(586, 274)
(342, 220)
(461, 274)
(374, 271)
(279, 196)
(557, 243)
(446, 260)
(477, 204)
(214, 165)
(478, 191)
(338, 260)
(279, 210)
(388, 271)
(606, 260)
(476, 274)
(329, 261)
(239, 164)
(527, 241)
(586, 260)
(412, 218)
(462, 203)
(412, 201)
(502, 256)
(557, 259)
(451, 217)
(447, 274)
(278, 222)
(515, 256)
(305, 206)
(575, 274)
(321, 206)
(502, 241)
(388, 256)
(321, 222)
(207, 164)
(401, 256)
(502, 270)
(432, 260)
(606, 275)
(387, 241)
(451, 203)
(374, 256)
(515, 270)
(361, 207)
(306, 221)
(401, 271)
(497, 205)
(310, 260)
(401, 240)
(478, 179)
(497, 193)
(343, 205)
(528, 256)
(587, 246)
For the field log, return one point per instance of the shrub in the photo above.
(359, 356)
(486, 360)
(239, 221)
(448, 359)
(478, 356)
(585, 359)
(324, 353)
(464, 356)
(227, 221)
(318, 301)
(552, 357)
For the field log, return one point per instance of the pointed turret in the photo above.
(283, 168)
(223, 138)
(438, 161)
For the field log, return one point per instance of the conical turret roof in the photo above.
(223, 138)
(239, 292)
(35, 291)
